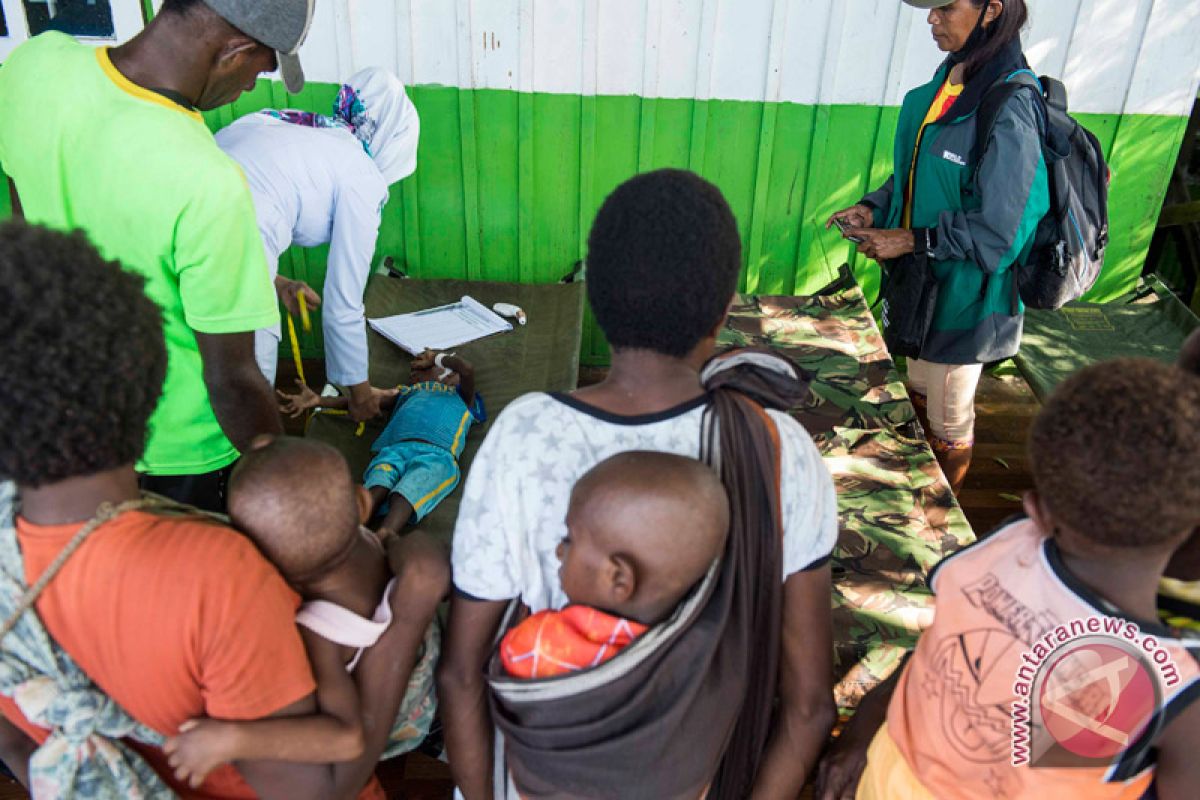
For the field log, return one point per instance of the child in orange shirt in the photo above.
(642, 529)
(295, 499)
(1115, 464)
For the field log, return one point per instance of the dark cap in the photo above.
(279, 24)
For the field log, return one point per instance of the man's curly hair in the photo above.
(1116, 453)
(82, 361)
(663, 262)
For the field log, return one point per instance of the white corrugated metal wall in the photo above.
(1116, 56)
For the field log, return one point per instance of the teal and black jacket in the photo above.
(981, 221)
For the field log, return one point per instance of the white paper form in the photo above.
(442, 327)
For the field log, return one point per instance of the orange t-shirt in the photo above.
(174, 619)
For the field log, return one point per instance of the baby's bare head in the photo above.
(296, 500)
(644, 527)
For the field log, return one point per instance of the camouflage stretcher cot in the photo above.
(898, 515)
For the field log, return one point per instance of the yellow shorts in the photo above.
(888, 776)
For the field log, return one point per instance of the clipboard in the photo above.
(441, 327)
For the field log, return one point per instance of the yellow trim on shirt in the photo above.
(140, 92)
(462, 426)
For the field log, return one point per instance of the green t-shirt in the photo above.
(144, 179)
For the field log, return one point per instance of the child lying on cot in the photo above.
(296, 500)
(416, 457)
(642, 529)
(1117, 490)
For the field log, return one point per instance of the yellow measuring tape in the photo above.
(295, 342)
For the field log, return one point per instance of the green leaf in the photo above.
(1009, 496)
(1001, 462)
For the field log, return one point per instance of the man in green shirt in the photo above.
(112, 142)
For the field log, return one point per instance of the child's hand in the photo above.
(425, 360)
(294, 405)
(201, 746)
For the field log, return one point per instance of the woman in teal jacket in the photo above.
(976, 223)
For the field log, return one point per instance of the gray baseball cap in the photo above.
(929, 3)
(279, 24)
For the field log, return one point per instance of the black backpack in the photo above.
(1068, 248)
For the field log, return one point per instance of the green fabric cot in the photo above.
(1149, 323)
(541, 356)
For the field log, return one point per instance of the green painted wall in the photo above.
(507, 182)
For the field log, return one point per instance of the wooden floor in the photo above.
(1000, 471)
(411, 777)
(415, 777)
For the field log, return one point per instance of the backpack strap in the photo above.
(985, 122)
(994, 100)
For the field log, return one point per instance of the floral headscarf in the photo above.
(374, 107)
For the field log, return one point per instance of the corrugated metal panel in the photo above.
(533, 110)
(849, 52)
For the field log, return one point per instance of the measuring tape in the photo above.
(306, 323)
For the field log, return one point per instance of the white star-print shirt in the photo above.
(514, 505)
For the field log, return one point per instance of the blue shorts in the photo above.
(421, 473)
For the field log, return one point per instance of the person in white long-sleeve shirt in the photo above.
(319, 179)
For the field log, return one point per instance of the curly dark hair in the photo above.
(663, 262)
(83, 359)
(1116, 453)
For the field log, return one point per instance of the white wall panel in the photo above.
(620, 45)
(1116, 56)
(558, 46)
(740, 49)
(1103, 50)
(1048, 39)
(493, 43)
(677, 46)
(1167, 72)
